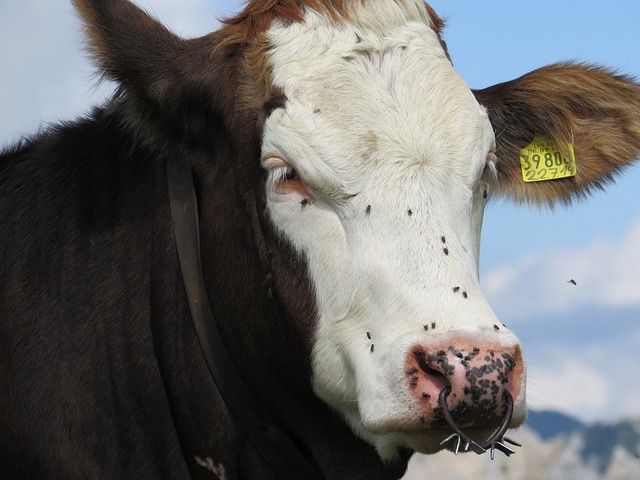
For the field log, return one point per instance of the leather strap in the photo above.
(275, 447)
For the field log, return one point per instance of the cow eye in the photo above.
(284, 179)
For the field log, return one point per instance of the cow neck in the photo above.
(275, 447)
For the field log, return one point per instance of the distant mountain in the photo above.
(598, 441)
(549, 424)
(601, 440)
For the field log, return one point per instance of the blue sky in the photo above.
(582, 341)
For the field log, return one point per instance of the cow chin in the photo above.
(427, 443)
(430, 442)
(427, 439)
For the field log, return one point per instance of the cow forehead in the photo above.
(380, 83)
(376, 113)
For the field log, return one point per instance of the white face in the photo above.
(378, 168)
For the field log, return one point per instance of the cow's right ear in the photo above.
(594, 110)
(166, 81)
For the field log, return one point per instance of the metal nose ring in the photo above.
(497, 440)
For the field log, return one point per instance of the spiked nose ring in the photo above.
(497, 441)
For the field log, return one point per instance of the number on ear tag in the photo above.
(543, 160)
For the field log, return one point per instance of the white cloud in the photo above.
(607, 273)
(570, 386)
(594, 380)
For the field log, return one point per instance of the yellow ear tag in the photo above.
(544, 160)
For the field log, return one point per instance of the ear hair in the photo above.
(596, 110)
(165, 82)
(129, 46)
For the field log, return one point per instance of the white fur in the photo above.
(377, 116)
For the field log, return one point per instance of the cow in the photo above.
(336, 169)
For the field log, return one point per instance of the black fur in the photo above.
(100, 371)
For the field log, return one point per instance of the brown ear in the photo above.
(596, 111)
(167, 83)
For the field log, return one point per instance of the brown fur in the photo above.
(256, 18)
(597, 111)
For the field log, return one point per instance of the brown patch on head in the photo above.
(438, 25)
(597, 111)
(254, 95)
(257, 16)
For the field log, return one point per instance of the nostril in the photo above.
(422, 363)
(433, 377)
(432, 372)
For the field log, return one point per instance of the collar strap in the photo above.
(275, 447)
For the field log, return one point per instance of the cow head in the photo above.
(373, 161)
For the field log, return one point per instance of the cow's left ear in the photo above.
(169, 84)
(595, 111)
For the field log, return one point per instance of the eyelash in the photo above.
(281, 175)
(285, 180)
